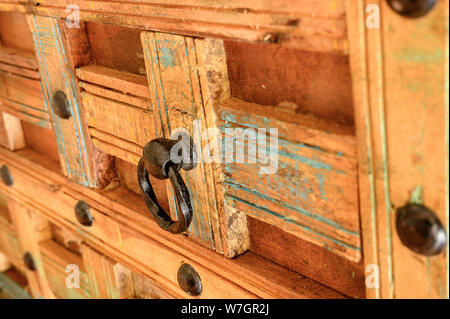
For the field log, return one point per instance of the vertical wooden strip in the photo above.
(80, 160)
(11, 133)
(398, 88)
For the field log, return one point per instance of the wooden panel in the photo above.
(124, 231)
(144, 288)
(30, 231)
(401, 117)
(118, 111)
(55, 260)
(17, 57)
(41, 140)
(11, 133)
(308, 259)
(187, 77)
(302, 24)
(9, 245)
(21, 92)
(59, 50)
(310, 188)
(14, 31)
(108, 279)
(318, 83)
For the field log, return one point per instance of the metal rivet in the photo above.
(29, 261)
(61, 106)
(420, 230)
(189, 280)
(83, 213)
(412, 8)
(6, 175)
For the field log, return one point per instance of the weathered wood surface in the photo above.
(118, 111)
(123, 231)
(107, 278)
(307, 258)
(311, 189)
(304, 24)
(20, 87)
(187, 77)
(59, 50)
(11, 134)
(400, 74)
(56, 259)
(30, 231)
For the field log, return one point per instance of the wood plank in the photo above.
(124, 82)
(108, 279)
(310, 189)
(25, 91)
(307, 259)
(399, 71)
(59, 51)
(307, 25)
(11, 133)
(187, 77)
(28, 236)
(9, 245)
(56, 259)
(142, 239)
(16, 70)
(18, 58)
(144, 288)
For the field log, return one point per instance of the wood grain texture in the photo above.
(11, 133)
(118, 111)
(108, 279)
(124, 232)
(187, 77)
(304, 24)
(56, 259)
(318, 83)
(30, 231)
(21, 92)
(312, 190)
(400, 74)
(59, 50)
(307, 259)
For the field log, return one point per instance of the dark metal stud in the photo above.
(420, 230)
(83, 213)
(6, 175)
(412, 8)
(189, 280)
(61, 106)
(29, 261)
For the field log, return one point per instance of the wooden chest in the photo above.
(224, 148)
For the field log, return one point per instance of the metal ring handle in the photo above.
(182, 197)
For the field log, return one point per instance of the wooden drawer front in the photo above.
(56, 259)
(310, 190)
(118, 111)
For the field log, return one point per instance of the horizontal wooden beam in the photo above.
(301, 24)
